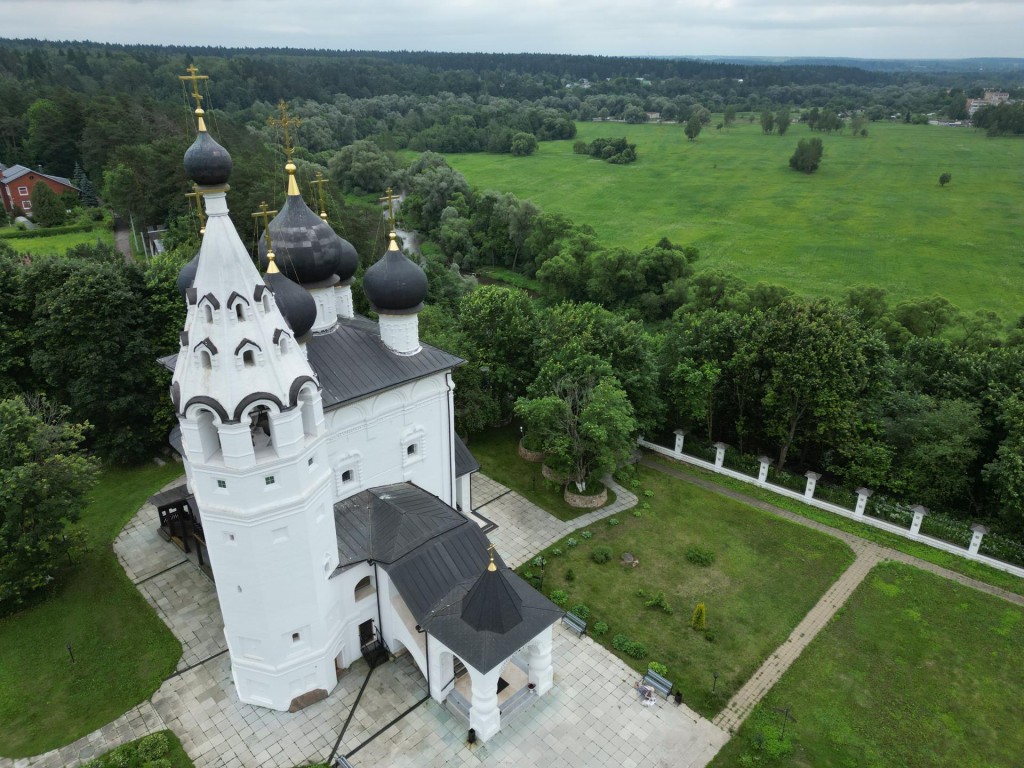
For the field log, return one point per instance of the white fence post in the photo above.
(680, 435)
(762, 473)
(812, 480)
(919, 513)
(720, 453)
(978, 534)
(863, 494)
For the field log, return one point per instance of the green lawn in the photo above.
(58, 244)
(873, 214)
(122, 649)
(975, 570)
(767, 574)
(916, 672)
(496, 452)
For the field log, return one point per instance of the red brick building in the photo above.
(17, 181)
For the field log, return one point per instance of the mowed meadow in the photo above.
(873, 214)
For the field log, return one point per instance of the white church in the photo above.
(327, 493)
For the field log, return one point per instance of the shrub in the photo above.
(635, 650)
(586, 535)
(700, 555)
(599, 628)
(710, 635)
(122, 757)
(699, 619)
(658, 669)
(571, 542)
(581, 610)
(154, 746)
(619, 642)
(601, 555)
(570, 575)
(559, 597)
(645, 505)
(634, 484)
(637, 513)
(160, 762)
(556, 551)
(648, 494)
(539, 562)
(658, 601)
(613, 521)
(807, 157)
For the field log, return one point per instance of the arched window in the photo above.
(259, 427)
(248, 357)
(209, 439)
(209, 313)
(307, 398)
(240, 310)
(364, 588)
(205, 359)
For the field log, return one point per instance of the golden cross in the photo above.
(492, 566)
(284, 123)
(197, 195)
(390, 198)
(265, 213)
(194, 78)
(317, 188)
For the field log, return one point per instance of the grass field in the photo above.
(873, 214)
(916, 672)
(122, 649)
(766, 575)
(58, 244)
(495, 449)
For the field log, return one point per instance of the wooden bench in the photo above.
(575, 623)
(658, 683)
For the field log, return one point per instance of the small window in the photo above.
(249, 358)
(269, 480)
(411, 450)
(222, 484)
(310, 462)
(239, 311)
(205, 359)
(229, 537)
(266, 301)
(23, 191)
(296, 637)
(26, 206)
(347, 476)
(209, 313)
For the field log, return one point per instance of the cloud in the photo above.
(860, 28)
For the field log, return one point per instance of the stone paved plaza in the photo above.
(592, 717)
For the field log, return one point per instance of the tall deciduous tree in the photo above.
(693, 126)
(807, 157)
(43, 481)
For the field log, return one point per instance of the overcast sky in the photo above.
(857, 28)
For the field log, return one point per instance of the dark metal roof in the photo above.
(175, 495)
(465, 462)
(386, 522)
(352, 362)
(438, 561)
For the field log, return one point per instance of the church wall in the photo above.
(404, 434)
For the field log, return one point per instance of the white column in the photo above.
(863, 494)
(680, 435)
(541, 668)
(919, 513)
(978, 534)
(762, 473)
(812, 480)
(484, 715)
(720, 453)
(236, 445)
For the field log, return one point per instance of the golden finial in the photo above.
(194, 78)
(390, 198)
(265, 213)
(317, 188)
(197, 195)
(492, 566)
(284, 123)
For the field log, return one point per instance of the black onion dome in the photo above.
(307, 249)
(187, 275)
(207, 163)
(395, 285)
(294, 301)
(348, 261)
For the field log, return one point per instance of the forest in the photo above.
(916, 400)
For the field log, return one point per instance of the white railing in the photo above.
(851, 514)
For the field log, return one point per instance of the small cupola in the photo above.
(294, 301)
(396, 288)
(492, 604)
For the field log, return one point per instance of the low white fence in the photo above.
(857, 513)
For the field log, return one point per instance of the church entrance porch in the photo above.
(181, 525)
(513, 691)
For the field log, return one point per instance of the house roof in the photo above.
(438, 560)
(7, 175)
(465, 462)
(351, 362)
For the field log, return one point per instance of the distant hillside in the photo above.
(973, 66)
